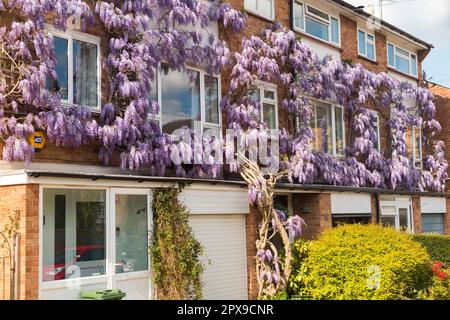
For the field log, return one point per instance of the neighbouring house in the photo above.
(75, 211)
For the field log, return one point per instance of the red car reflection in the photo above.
(89, 261)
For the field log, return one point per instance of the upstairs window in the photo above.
(402, 60)
(263, 8)
(366, 45)
(327, 125)
(187, 99)
(316, 23)
(77, 68)
(267, 95)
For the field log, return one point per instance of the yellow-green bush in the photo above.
(363, 262)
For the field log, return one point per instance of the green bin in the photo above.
(114, 294)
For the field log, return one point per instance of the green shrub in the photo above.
(363, 262)
(438, 246)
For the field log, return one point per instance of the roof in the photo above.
(383, 23)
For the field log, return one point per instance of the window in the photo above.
(402, 60)
(189, 98)
(413, 141)
(433, 223)
(263, 8)
(73, 233)
(316, 23)
(77, 68)
(327, 125)
(267, 95)
(377, 131)
(338, 219)
(366, 45)
(396, 214)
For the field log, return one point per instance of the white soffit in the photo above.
(346, 203)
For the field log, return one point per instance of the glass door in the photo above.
(130, 225)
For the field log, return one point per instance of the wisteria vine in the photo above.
(142, 34)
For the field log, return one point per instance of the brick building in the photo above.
(62, 188)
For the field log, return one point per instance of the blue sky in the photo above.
(428, 20)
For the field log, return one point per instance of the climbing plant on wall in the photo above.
(175, 252)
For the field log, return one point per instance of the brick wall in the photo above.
(24, 198)
(315, 209)
(416, 214)
(251, 229)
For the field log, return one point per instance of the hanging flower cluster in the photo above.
(140, 35)
(278, 56)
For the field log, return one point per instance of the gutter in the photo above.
(234, 182)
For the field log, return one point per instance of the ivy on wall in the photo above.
(175, 252)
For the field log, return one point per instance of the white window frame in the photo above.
(267, 86)
(302, 29)
(416, 162)
(333, 107)
(204, 125)
(399, 204)
(409, 58)
(256, 12)
(71, 35)
(366, 43)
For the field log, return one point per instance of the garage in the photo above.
(218, 222)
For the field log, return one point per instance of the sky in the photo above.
(428, 20)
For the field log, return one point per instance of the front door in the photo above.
(129, 264)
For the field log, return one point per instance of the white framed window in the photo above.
(433, 223)
(267, 95)
(327, 125)
(366, 45)
(263, 8)
(397, 214)
(78, 68)
(189, 98)
(316, 23)
(413, 142)
(402, 60)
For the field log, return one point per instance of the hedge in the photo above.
(362, 262)
(438, 246)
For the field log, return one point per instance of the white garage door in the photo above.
(223, 237)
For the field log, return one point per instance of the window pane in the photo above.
(318, 13)
(433, 223)
(362, 43)
(153, 96)
(62, 68)
(85, 74)
(131, 233)
(269, 94)
(413, 65)
(370, 38)
(265, 8)
(73, 233)
(401, 64)
(250, 4)
(316, 28)
(377, 132)
(321, 126)
(339, 132)
(269, 116)
(180, 95)
(403, 215)
(211, 99)
(334, 30)
(370, 51)
(299, 15)
(417, 146)
(391, 55)
(387, 221)
(337, 220)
